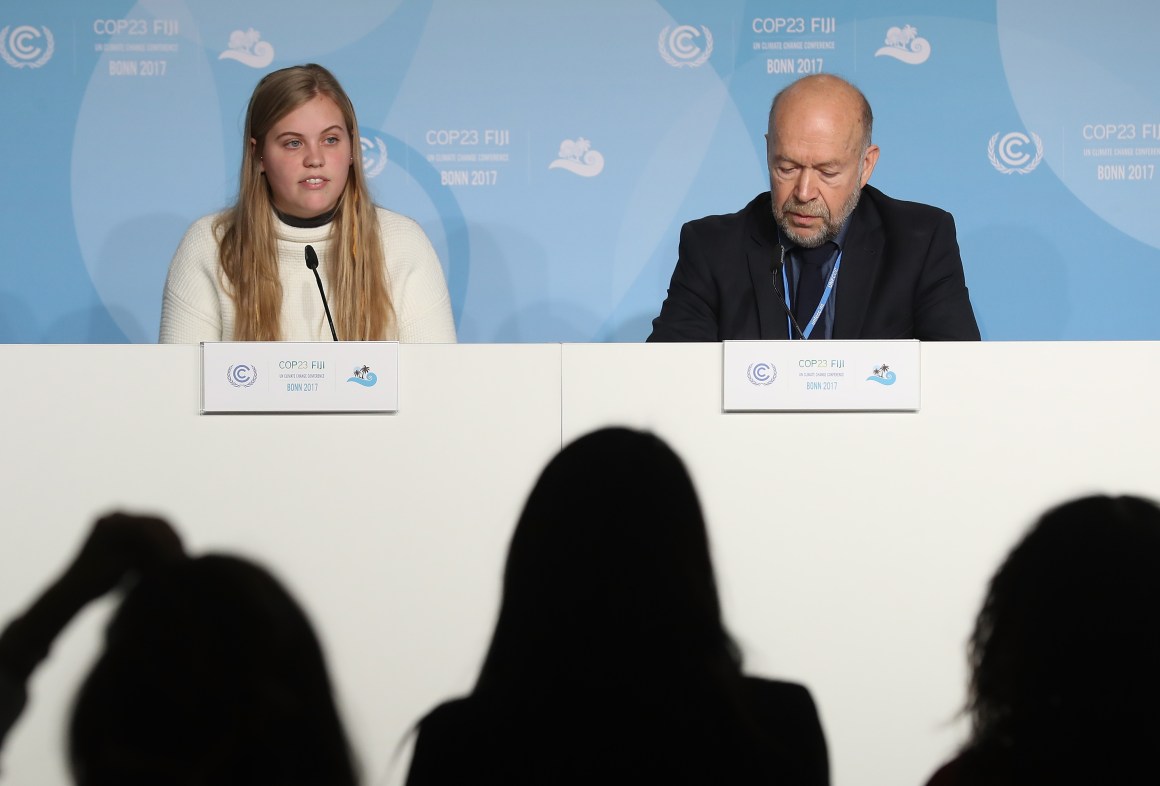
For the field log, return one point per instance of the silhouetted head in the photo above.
(609, 574)
(1065, 656)
(211, 674)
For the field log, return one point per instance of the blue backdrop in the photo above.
(552, 150)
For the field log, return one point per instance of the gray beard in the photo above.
(830, 228)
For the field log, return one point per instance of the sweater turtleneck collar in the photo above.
(306, 223)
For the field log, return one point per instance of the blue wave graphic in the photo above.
(886, 380)
(369, 382)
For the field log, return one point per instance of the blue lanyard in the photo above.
(821, 303)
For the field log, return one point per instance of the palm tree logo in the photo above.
(882, 375)
(364, 376)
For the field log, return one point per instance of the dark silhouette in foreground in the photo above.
(610, 662)
(210, 674)
(1065, 657)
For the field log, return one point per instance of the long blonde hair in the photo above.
(358, 290)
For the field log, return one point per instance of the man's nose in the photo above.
(805, 188)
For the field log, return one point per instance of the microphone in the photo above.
(312, 263)
(775, 267)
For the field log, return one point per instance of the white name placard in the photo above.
(799, 376)
(291, 376)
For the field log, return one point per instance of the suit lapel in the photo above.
(861, 258)
(771, 322)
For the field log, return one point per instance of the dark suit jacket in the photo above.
(901, 277)
(468, 742)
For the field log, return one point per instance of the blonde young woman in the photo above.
(241, 275)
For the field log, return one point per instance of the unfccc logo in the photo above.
(677, 46)
(1012, 157)
(242, 376)
(374, 155)
(21, 48)
(762, 373)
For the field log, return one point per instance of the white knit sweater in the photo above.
(197, 307)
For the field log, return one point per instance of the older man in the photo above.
(846, 260)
